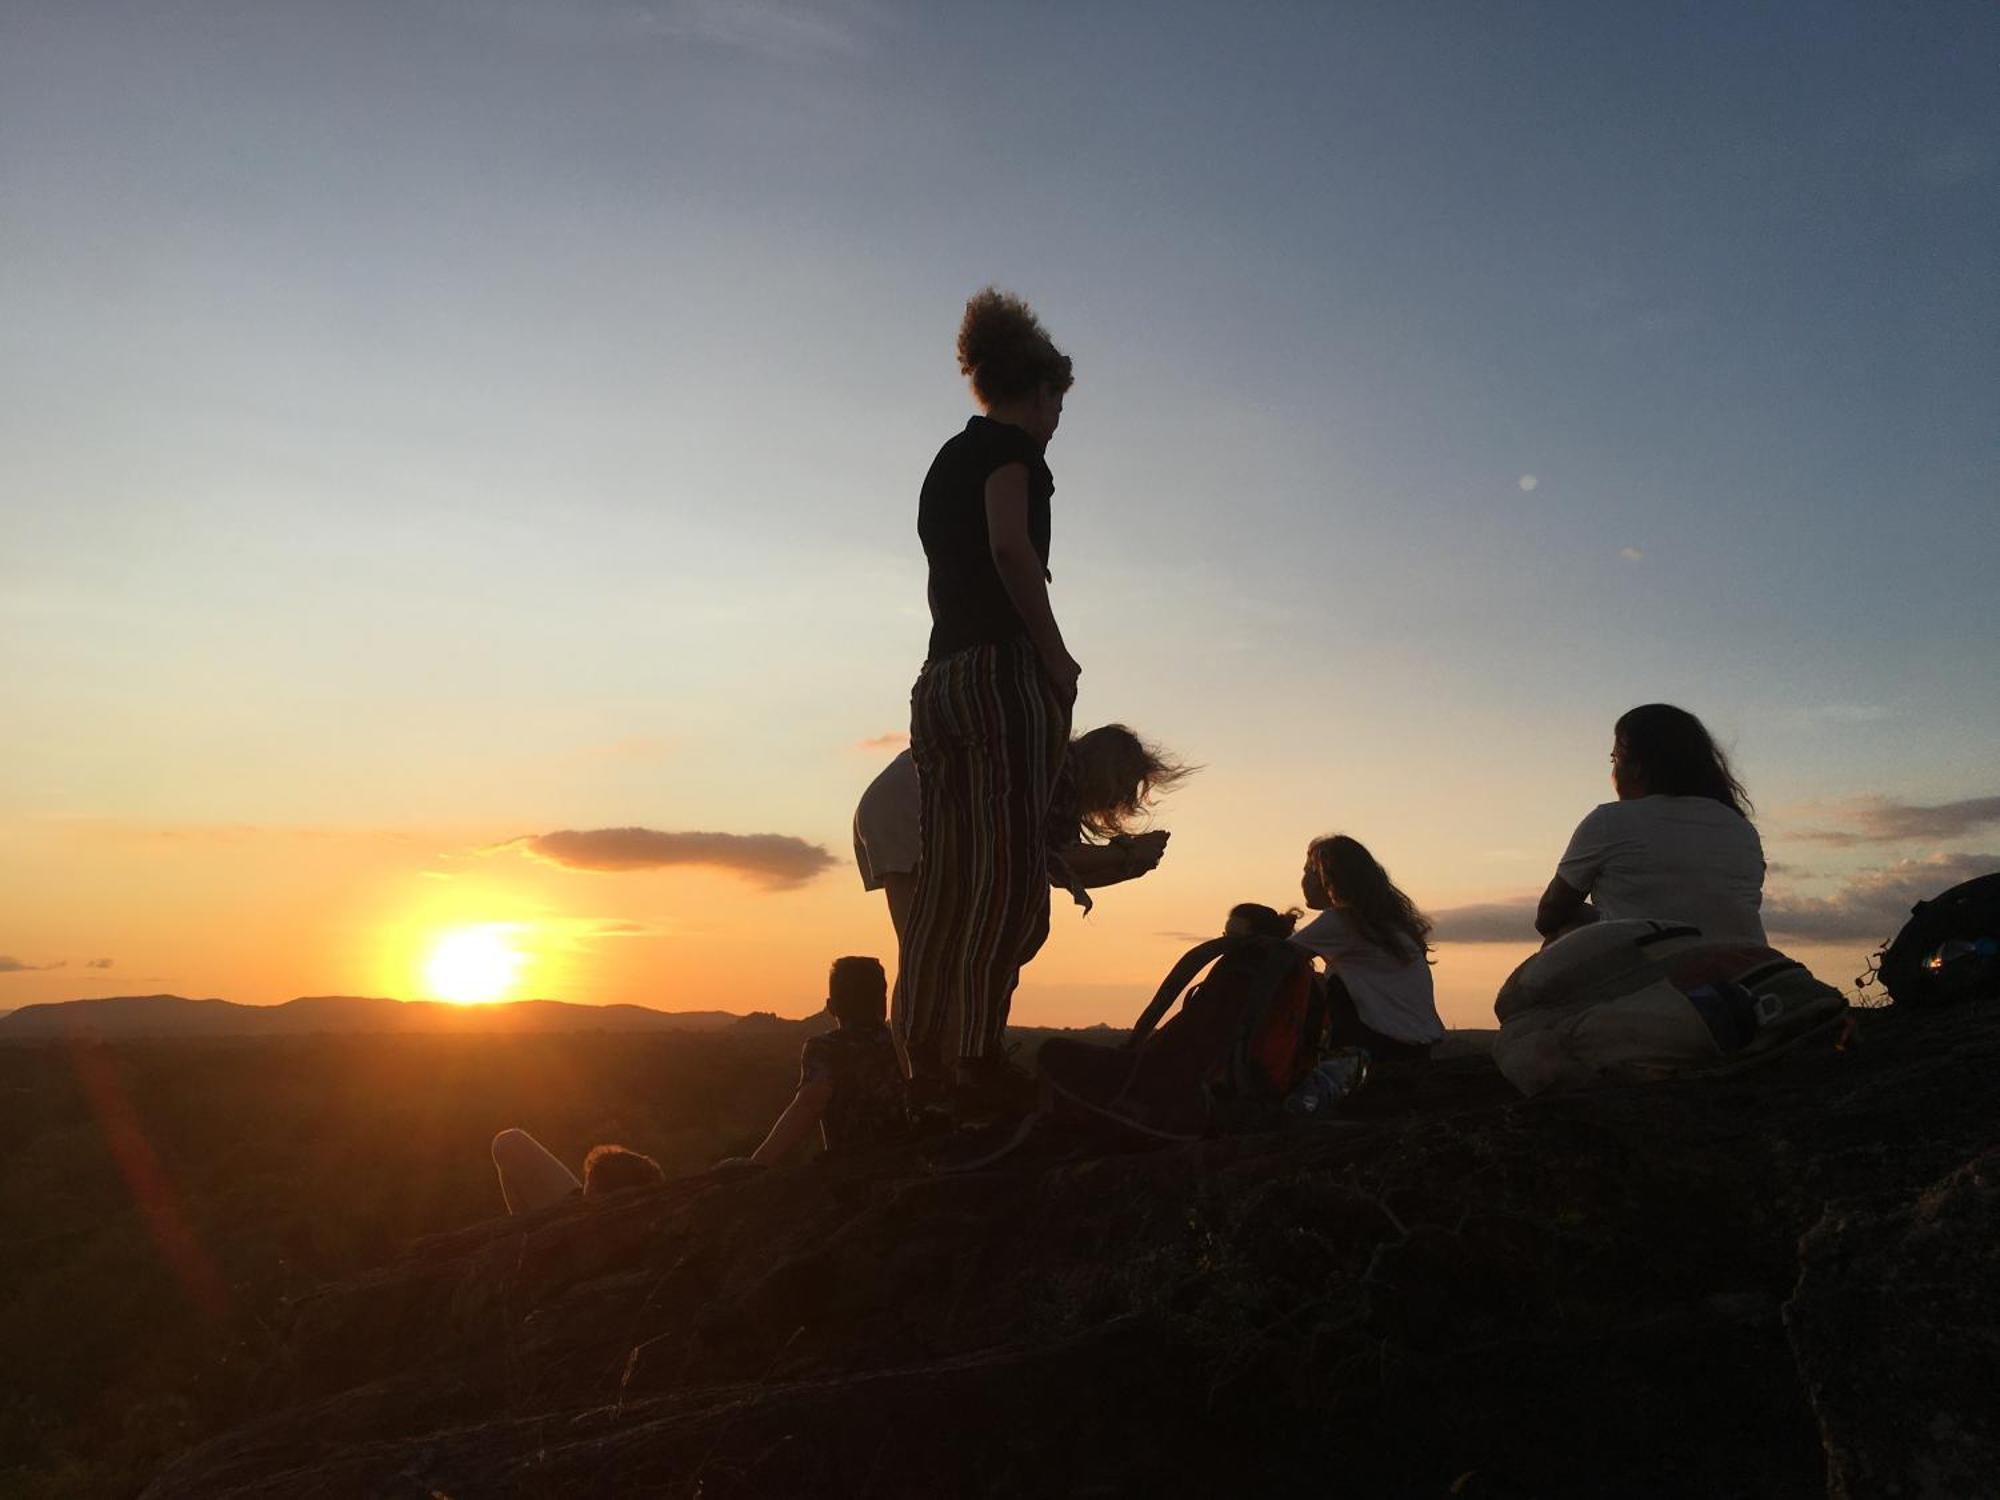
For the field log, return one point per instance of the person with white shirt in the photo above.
(1376, 945)
(1678, 844)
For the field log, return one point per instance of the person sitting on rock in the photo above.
(1376, 945)
(531, 1178)
(1253, 919)
(850, 1078)
(1677, 846)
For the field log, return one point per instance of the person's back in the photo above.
(868, 1103)
(850, 1078)
(1678, 859)
(1678, 844)
(1393, 993)
(1376, 945)
(969, 603)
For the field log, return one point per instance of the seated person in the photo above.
(1678, 844)
(1376, 945)
(1251, 919)
(850, 1078)
(531, 1178)
(1109, 778)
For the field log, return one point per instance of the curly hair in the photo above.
(1117, 776)
(612, 1169)
(1004, 350)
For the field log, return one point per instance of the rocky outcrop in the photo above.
(1775, 1282)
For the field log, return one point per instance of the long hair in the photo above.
(1118, 776)
(1677, 756)
(1357, 884)
(1004, 350)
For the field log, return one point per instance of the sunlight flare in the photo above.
(474, 965)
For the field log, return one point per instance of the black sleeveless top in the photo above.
(969, 604)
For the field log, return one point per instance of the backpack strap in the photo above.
(1178, 979)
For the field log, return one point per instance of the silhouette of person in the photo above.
(1109, 779)
(531, 1178)
(989, 715)
(1376, 945)
(1678, 844)
(850, 1078)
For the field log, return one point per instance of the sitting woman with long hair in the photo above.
(1376, 945)
(1109, 781)
(1677, 845)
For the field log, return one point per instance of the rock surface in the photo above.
(1775, 1282)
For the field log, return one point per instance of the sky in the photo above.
(431, 428)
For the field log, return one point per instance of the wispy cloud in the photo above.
(892, 740)
(1874, 905)
(98, 963)
(1631, 554)
(776, 861)
(1508, 921)
(15, 966)
(1885, 820)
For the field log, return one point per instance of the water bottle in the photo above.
(1320, 1092)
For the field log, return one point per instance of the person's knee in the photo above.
(512, 1143)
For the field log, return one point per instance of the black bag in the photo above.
(1949, 950)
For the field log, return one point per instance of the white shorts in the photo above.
(885, 824)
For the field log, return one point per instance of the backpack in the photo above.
(1243, 1039)
(1636, 999)
(1949, 950)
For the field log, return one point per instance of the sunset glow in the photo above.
(474, 965)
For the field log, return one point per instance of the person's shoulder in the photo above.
(1328, 926)
(1002, 443)
(1610, 815)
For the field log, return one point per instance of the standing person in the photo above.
(989, 715)
(1376, 944)
(1677, 845)
(1109, 780)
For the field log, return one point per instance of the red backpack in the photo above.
(1242, 1040)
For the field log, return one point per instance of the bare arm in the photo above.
(807, 1105)
(1123, 859)
(1561, 905)
(1021, 574)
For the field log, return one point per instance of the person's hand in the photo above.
(1063, 672)
(1145, 850)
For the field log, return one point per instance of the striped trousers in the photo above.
(988, 734)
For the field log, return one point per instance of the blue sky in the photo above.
(473, 420)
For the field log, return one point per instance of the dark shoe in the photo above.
(992, 1088)
(929, 1102)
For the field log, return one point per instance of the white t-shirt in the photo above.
(1392, 995)
(1680, 859)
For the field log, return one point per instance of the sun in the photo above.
(474, 965)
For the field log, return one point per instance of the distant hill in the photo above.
(175, 1015)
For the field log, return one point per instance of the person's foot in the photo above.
(992, 1088)
(929, 1098)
